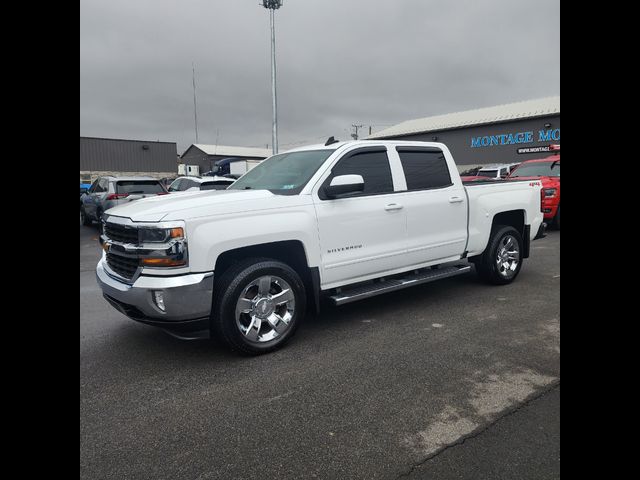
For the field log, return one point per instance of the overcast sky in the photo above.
(339, 62)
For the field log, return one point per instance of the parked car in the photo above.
(184, 184)
(491, 172)
(107, 192)
(344, 220)
(166, 181)
(547, 170)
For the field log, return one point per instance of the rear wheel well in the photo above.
(290, 252)
(512, 218)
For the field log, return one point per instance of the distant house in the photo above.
(205, 155)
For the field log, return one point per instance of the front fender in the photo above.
(210, 237)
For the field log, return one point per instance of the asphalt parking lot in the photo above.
(454, 379)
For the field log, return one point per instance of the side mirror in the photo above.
(344, 185)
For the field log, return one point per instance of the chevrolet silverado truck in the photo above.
(341, 221)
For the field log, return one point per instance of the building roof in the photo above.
(481, 116)
(231, 151)
(125, 140)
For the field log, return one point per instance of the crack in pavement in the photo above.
(480, 430)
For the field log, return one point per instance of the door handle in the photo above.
(455, 199)
(393, 206)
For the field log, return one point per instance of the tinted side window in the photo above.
(175, 186)
(374, 168)
(187, 184)
(424, 168)
(100, 185)
(94, 186)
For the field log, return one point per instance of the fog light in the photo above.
(158, 297)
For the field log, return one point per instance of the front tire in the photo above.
(258, 305)
(501, 261)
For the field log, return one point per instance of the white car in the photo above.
(343, 220)
(187, 184)
(496, 171)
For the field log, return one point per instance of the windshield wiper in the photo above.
(247, 188)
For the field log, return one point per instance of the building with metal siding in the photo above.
(502, 134)
(112, 156)
(205, 155)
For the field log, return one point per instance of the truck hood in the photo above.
(188, 205)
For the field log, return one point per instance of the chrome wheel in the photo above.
(265, 309)
(508, 256)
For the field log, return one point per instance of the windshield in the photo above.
(538, 169)
(487, 173)
(283, 174)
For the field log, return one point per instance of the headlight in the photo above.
(550, 192)
(159, 235)
(161, 247)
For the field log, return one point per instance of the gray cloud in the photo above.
(339, 62)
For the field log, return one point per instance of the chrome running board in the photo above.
(392, 284)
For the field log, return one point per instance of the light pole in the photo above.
(273, 5)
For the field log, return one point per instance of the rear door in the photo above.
(363, 234)
(97, 196)
(88, 200)
(436, 206)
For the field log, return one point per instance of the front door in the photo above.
(364, 234)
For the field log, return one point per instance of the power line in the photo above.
(195, 110)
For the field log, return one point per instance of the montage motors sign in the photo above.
(516, 138)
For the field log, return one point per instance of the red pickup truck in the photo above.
(547, 170)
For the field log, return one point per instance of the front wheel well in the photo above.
(291, 252)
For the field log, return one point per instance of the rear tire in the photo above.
(257, 306)
(501, 261)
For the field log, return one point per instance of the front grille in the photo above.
(121, 233)
(123, 266)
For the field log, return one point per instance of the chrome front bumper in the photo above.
(187, 298)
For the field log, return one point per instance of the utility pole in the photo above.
(272, 6)
(195, 110)
(355, 135)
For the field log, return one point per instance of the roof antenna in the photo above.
(331, 140)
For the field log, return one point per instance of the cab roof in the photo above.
(364, 143)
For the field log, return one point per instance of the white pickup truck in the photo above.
(343, 220)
